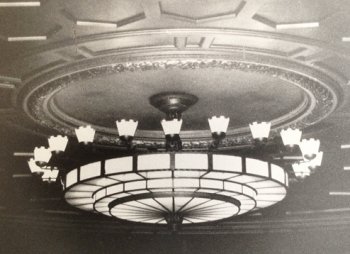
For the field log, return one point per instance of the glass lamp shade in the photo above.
(218, 124)
(309, 147)
(172, 127)
(34, 169)
(42, 154)
(260, 130)
(58, 143)
(317, 161)
(50, 175)
(85, 134)
(291, 137)
(127, 128)
(301, 170)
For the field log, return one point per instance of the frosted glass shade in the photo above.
(58, 143)
(260, 130)
(33, 167)
(291, 137)
(218, 124)
(42, 154)
(317, 161)
(85, 134)
(301, 169)
(127, 127)
(309, 147)
(171, 127)
(50, 175)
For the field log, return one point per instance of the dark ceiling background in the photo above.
(34, 218)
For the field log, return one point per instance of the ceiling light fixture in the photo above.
(175, 186)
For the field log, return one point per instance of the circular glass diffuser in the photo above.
(185, 187)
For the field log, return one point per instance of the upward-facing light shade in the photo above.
(50, 175)
(42, 154)
(301, 170)
(85, 134)
(172, 127)
(33, 167)
(58, 143)
(291, 137)
(218, 124)
(309, 147)
(260, 130)
(127, 128)
(317, 161)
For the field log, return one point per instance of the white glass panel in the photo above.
(246, 179)
(102, 181)
(90, 170)
(188, 173)
(264, 184)
(71, 178)
(191, 183)
(227, 193)
(121, 195)
(208, 190)
(191, 161)
(88, 207)
(219, 175)
(114, 189)
(100, 194)
(166, 202)
(212, 184)
(85, 187)
(160, 183)
(135, 185)
(277, 173)
(126, 177)
(157, 174)
(152, 203)
(227, 163)
(233, 187)
(138, 192)
(153, 161)
(257, 167)
(118, 165)
(248, 191)
(180, 202)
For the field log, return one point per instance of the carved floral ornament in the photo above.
(322, 98)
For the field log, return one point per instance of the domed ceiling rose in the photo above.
(319, 99)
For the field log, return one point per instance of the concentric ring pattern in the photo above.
(198, 187)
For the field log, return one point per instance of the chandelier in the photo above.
(175, 186)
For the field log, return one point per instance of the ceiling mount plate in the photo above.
(173, 103)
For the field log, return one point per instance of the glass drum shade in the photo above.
(198, 187)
